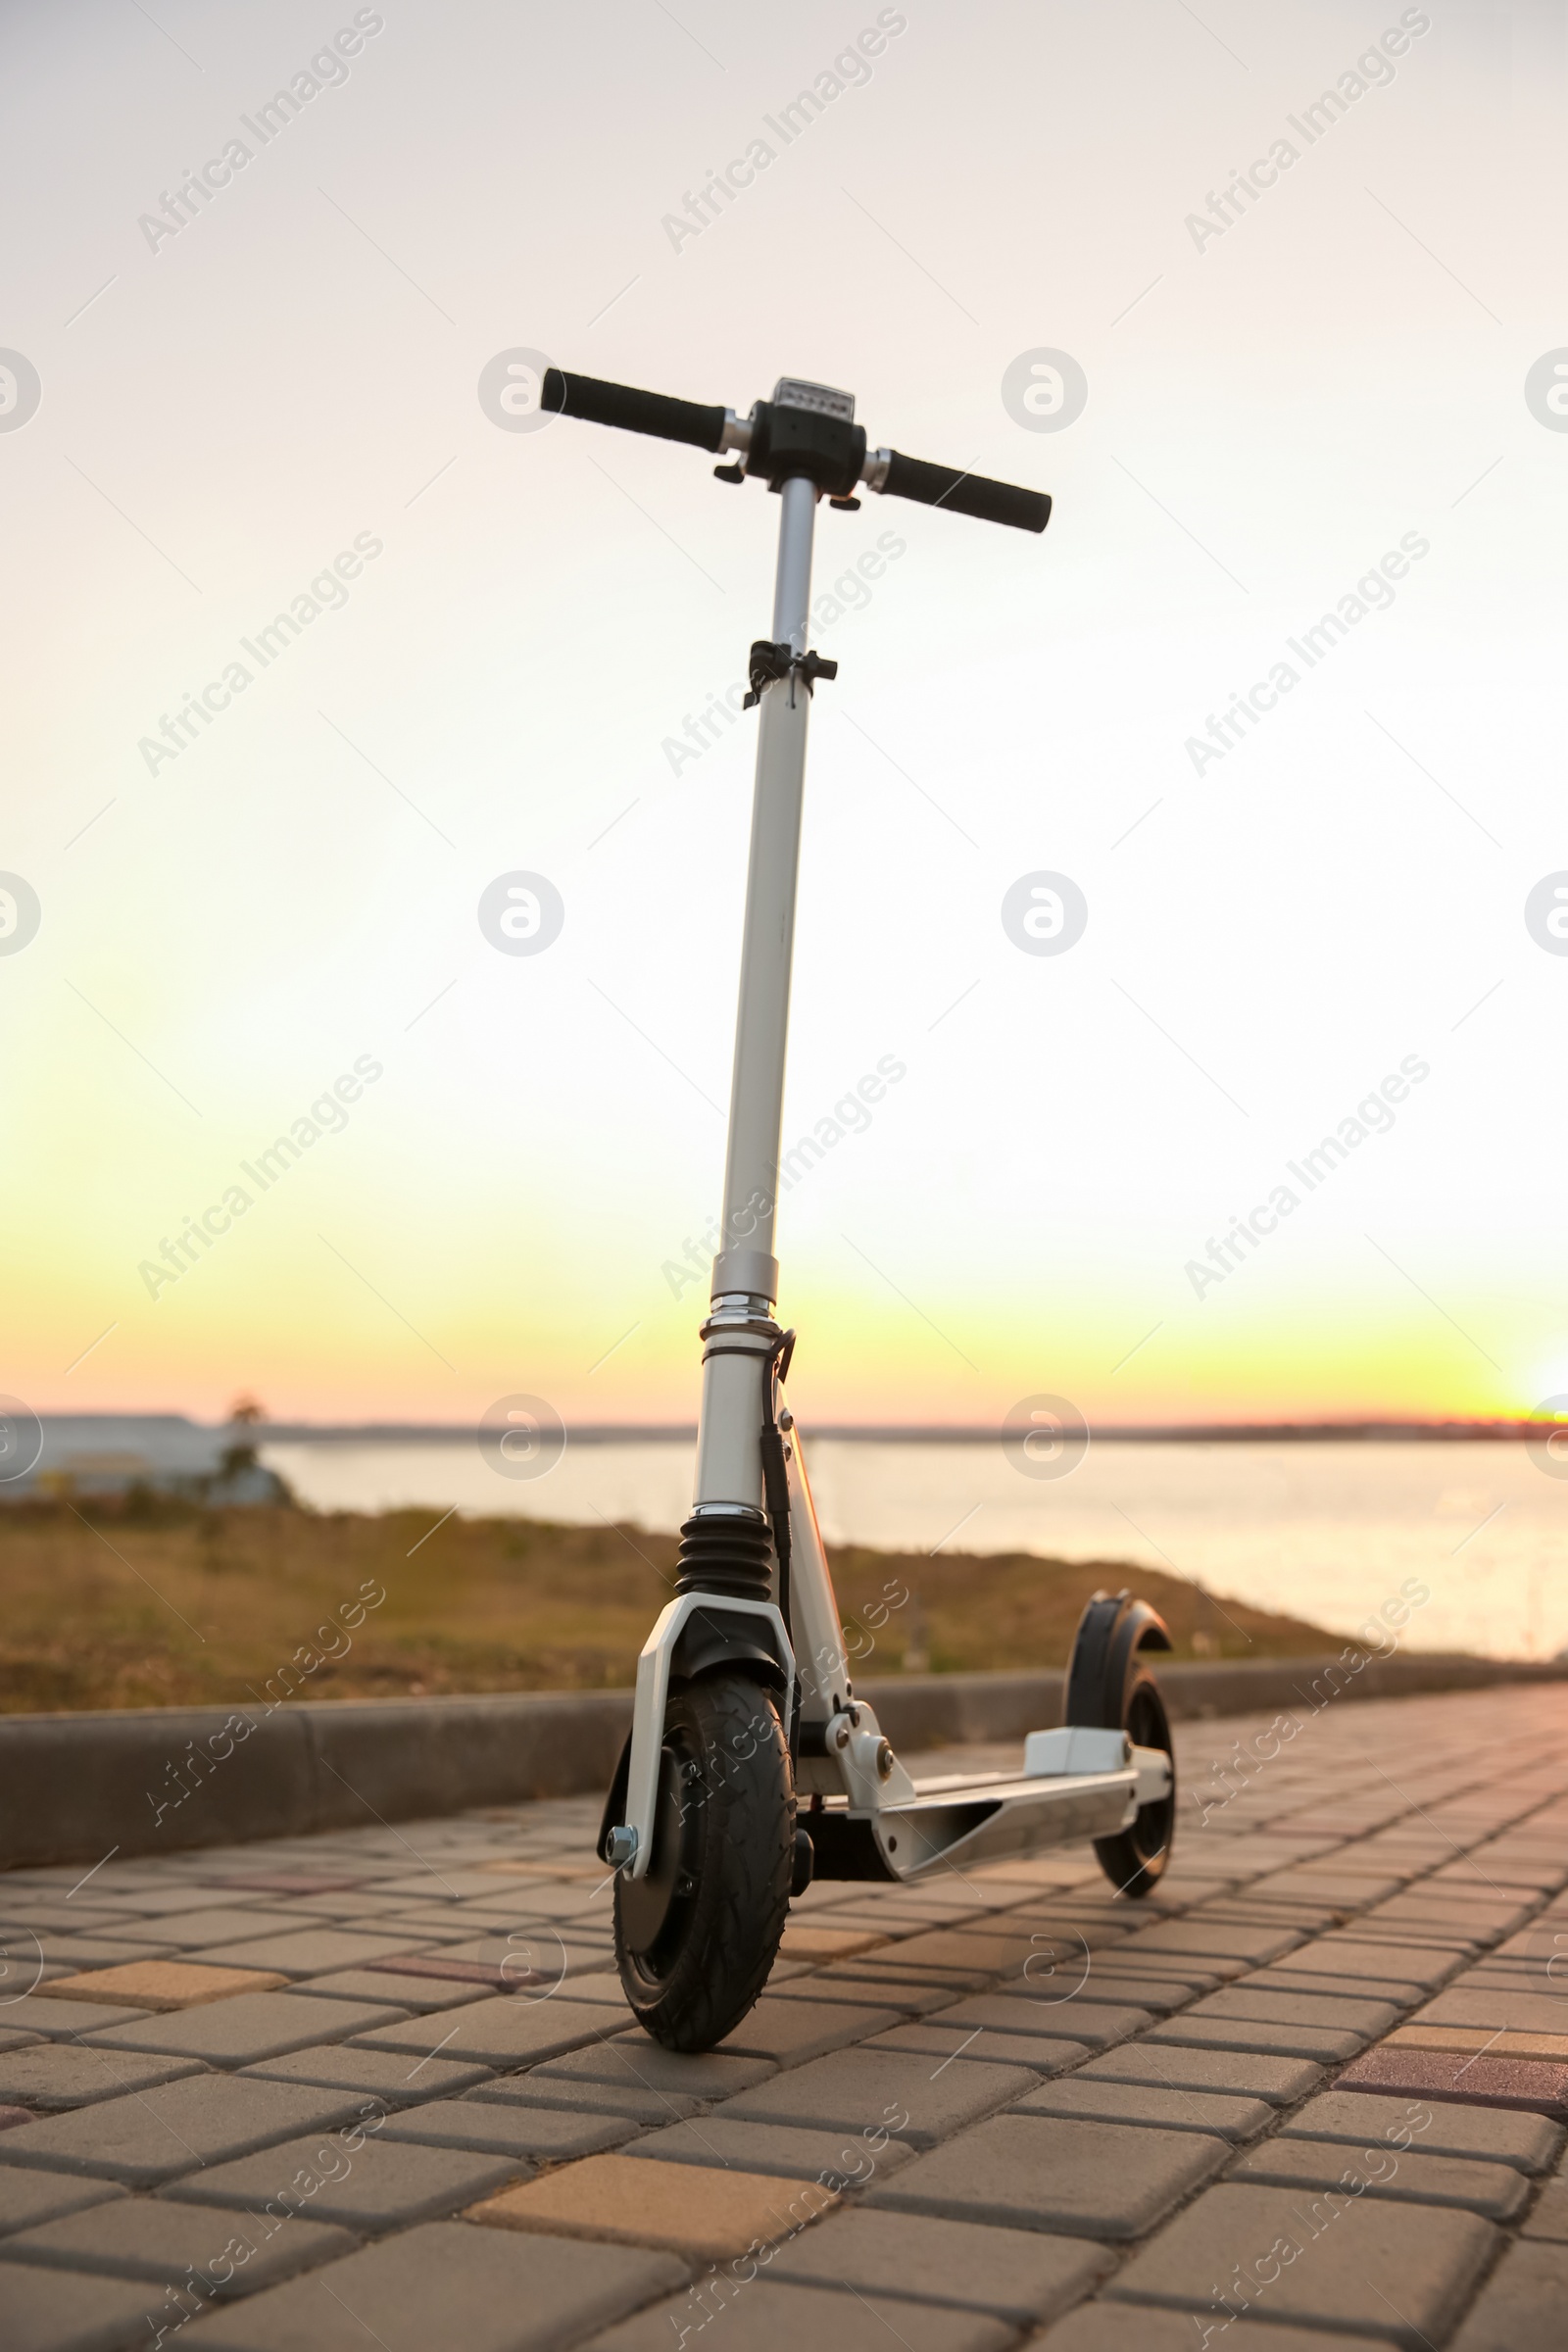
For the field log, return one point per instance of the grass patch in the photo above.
(152, 1604)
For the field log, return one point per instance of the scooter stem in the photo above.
(741, 1335)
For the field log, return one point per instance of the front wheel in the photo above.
(1110, 1686)
(696, 1936)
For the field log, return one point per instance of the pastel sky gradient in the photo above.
(1271, 411)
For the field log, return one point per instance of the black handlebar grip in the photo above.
(634, 412)
(967, 493)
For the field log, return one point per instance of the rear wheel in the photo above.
(1110, 1687)
(696, 1936)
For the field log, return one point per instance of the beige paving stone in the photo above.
(162, 1984)
(1478, 2038)
(687, 2209)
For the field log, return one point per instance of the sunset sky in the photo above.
(523, 623)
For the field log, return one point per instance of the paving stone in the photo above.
(1254, 1999)
(1388, 2269)
(1380, 2170)
(53, 2075)
(28, 2199)
(1017, 2274)
(1345, 1956)
(160, 1984)
(212, 1922)
(634, 2060)
(446, 2285)
(1200, 1939)
(1033, 2172)
(848, 2158)
(709, 2213)
(1097, 2025)
(1472, 2040)
(1394, 1992)
(1232, 2118)
(154, 2240)
(1158, 1995)
(901, 2094)
(307, 1951)
(1491, 2008)
(819, 1940)
(502, 2030)
(764, 2318)
(790, 2033)
(1521, 2307)
(417, 1993)
(46, 2310)
(1040, 2055)
(1103, 2328)
(389, 2076)
(370, 2186)
(1243, 2074)
(546, 2134)
(631, 2105)
(909, 1996)
(63, 2021)
(152, 2135)
(1549, 2216)
(1532, 2083)
(1317, 2042)
(240, 2032)
(1491, 2134)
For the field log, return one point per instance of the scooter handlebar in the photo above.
(964, 493)
(634, 412)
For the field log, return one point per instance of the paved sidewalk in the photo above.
(381, 2086)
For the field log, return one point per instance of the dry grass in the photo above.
(161, 1605)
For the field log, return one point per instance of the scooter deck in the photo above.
(967, 1817)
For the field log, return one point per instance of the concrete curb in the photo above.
(156, 1779)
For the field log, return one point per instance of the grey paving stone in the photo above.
(1492, 2134)
(760, 2317)
(1316, 2043)
(1241, 2074)
(416, 1993)
(307, 1951)
(1521, 2307)
(375, 2185)
(502, 2030)
(979, 2042)
(1036, 2172)
(1016, 2275)
(1105, 2328)
(1097, 2025)
(633, 2060)
(215, 1922)
(909, 1996)
(152, 2135)
(1383, 2170)
(28, 2199)
(1232, 2118)
(496, 2128)
(246, 2028)
(1324, 2260)
(64, 2020)
(533, 2089)
(903, 2095)
(1254, 1999)
(391, 2076)
(449, 2284)
(53, 2075)
(789, 2033)
(45, 2310)
(1396, 1993)
(1158, 1995)
(154, 2240)
(840, 2157)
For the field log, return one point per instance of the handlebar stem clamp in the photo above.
(770, 662)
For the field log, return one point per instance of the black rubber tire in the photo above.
(1136, 1858)
(696, 1937)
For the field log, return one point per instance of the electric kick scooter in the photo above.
(743, 1707)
